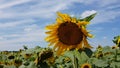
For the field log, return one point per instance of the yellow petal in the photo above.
(118, 41)
(79, 46)
(53, 39)
(48, 32)
(55, 46)
(65, 17)
(84, 30)
(52, 42)
(49, 27)
(51, 32)
(73, 20)
(90, 35)
(60, 50)
(84, 22)
(58, 20)
(86, 44)
(52, 36)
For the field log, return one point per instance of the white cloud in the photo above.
(36, 34)
(113, 6)
(40, 9)
(103, 3)
(105, 16)
(1, 38)
(30, 38)
(12, 3)
(30, 28)
(15, 23)
(88, 13)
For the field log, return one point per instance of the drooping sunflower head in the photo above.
(44, 55)
(17, 62)
(86, 65)
(67, 33)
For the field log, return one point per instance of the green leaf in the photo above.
(32, 65)
(69, 54)
(23, 66)
(78, 56)
(106, 49)
(101, 63)
(89, 18)
(84, 57)
(81, 56)
(115, 65)
(118, 58)
(92, 60)
(88, 52)
(10, 66)
(60, 59)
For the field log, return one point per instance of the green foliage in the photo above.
(102, 57)
(25, 47)
(22, 59)
(88, 18)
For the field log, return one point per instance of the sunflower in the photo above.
(67, 33)
(17, 62)
(114, 47)
(86, 65)
(43, 56)
(26, 56)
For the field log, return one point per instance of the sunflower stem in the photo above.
(75, 65)
(115, 54)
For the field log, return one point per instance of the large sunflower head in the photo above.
(67, 33)
(86, 65)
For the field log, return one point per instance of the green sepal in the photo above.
(88, 18)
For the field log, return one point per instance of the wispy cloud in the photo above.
(103, 3)
(12, 3)
(113, 7)
(105, 16)
(24, 38)
(41, 8)
(15, 23)
(1, 38)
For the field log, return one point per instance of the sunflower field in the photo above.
(68, 48)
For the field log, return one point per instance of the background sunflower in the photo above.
(86, 65)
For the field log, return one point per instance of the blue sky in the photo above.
(22, 22)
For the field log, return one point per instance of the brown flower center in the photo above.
(86, 66)
(70, 34)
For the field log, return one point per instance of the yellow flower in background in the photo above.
(26, 56)
(67, 33)
(17, 62)
(115, 47)
(86, 65)
(99, 48)
(45, 55)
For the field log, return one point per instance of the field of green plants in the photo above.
(102, 57)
